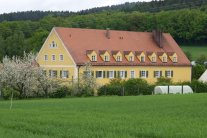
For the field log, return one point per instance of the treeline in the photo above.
(153, 6)
(186, 26)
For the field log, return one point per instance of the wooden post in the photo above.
(168, 89)
(182, 89)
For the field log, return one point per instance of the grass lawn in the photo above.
(196, 51)
(160, 116)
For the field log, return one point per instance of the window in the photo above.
(122, 74)
(53, 73)
(99, 74)
(46, 57)
(132, 74)
(169, 73)
(118, 58)
(153, 59)
(93, 58)
(106, 58)
(142, 59)
(164, 59)
(61, 58)
(131, 58)
(174, 59)
(88, 73)
(64, 74)
(53, 57)
(157, 74)
(111, 74)
(144, 74)
(53, 45)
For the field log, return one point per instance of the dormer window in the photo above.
(118, 58)
(153, 59)
(93, 58)
(131, 58)
(142, 59)
(106, 58)
(164, 59)
(53, 45)
(175, 59)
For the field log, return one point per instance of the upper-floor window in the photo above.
(164, 59)
(118, 58)
(169, 73)
(106, 58)
(46, 57)
(175, 59)
(93, 58)
(142, 59)
(144, 74)
(53, 57)
(132, 74)
(53, 45)
(153, 59)
(61, 58)
(131, 58)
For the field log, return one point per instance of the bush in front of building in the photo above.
(61, 92)
(197, 86)
(126, 88)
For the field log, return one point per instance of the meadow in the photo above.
(159, 116)
(196, 51)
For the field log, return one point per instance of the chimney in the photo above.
(108, 33)
(158, 38)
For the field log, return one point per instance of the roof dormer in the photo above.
(140, 55)
(129, 55)
(92, 55)
(162, 56)
(152, 56)
(104, 55)
(173, 57)
(117, 56)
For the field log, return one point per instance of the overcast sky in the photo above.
(7, 6)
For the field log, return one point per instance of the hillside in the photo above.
(153, 6)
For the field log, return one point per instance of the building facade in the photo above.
(113, 54)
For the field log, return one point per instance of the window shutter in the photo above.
(125, 74)
(50, 73)
(171, 73)
(107, 74)
(96, 74)
(140, 73)
(114, 74)
(118, 72)
(154, 74)
(92, 73)
(61, 74)
(165, 73)
(67, 74)
(147, 74)
(160, 73)
(104, 74)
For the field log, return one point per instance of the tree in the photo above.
(197, 71)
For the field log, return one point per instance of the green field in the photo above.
(196, 51)
(161, 116)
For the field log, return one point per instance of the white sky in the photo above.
(7, 6)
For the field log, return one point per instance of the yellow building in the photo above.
(113, 54)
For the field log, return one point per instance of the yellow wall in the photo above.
(180, 74)
(67, 64)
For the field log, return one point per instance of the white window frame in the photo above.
(62, 57)
(131, 58)
(122, 74)
(144, 75)
(101, 74)
(118, 58)
(46, 57)
(157, 75)
(93, 58)
(52, 74)
(63, 74)
(168, 74)
(142, 59)
(154, 59)
(164, 59)
(175, 60)
(132, 76)
(112, 75)
(53, 45)
(54, 57)
(106, 58)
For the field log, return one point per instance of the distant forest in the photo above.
(185, 20)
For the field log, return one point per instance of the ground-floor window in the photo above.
(143, 74)
(169, 73)
(111, 74)
(99, 74)
(64, 74)
(53, 73)
(132, 74)
(157, 74)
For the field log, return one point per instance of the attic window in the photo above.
(106, 58)
(175, 60)
(164, 59)
(153, 59)
(118, 58)
(131, 58)
(53, 45)
(93, 58)
(142, 59)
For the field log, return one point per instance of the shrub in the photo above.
(61, 92)
(197, 86)
(164, 81)
(7, 93)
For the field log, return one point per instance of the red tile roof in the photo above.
(79, 41)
